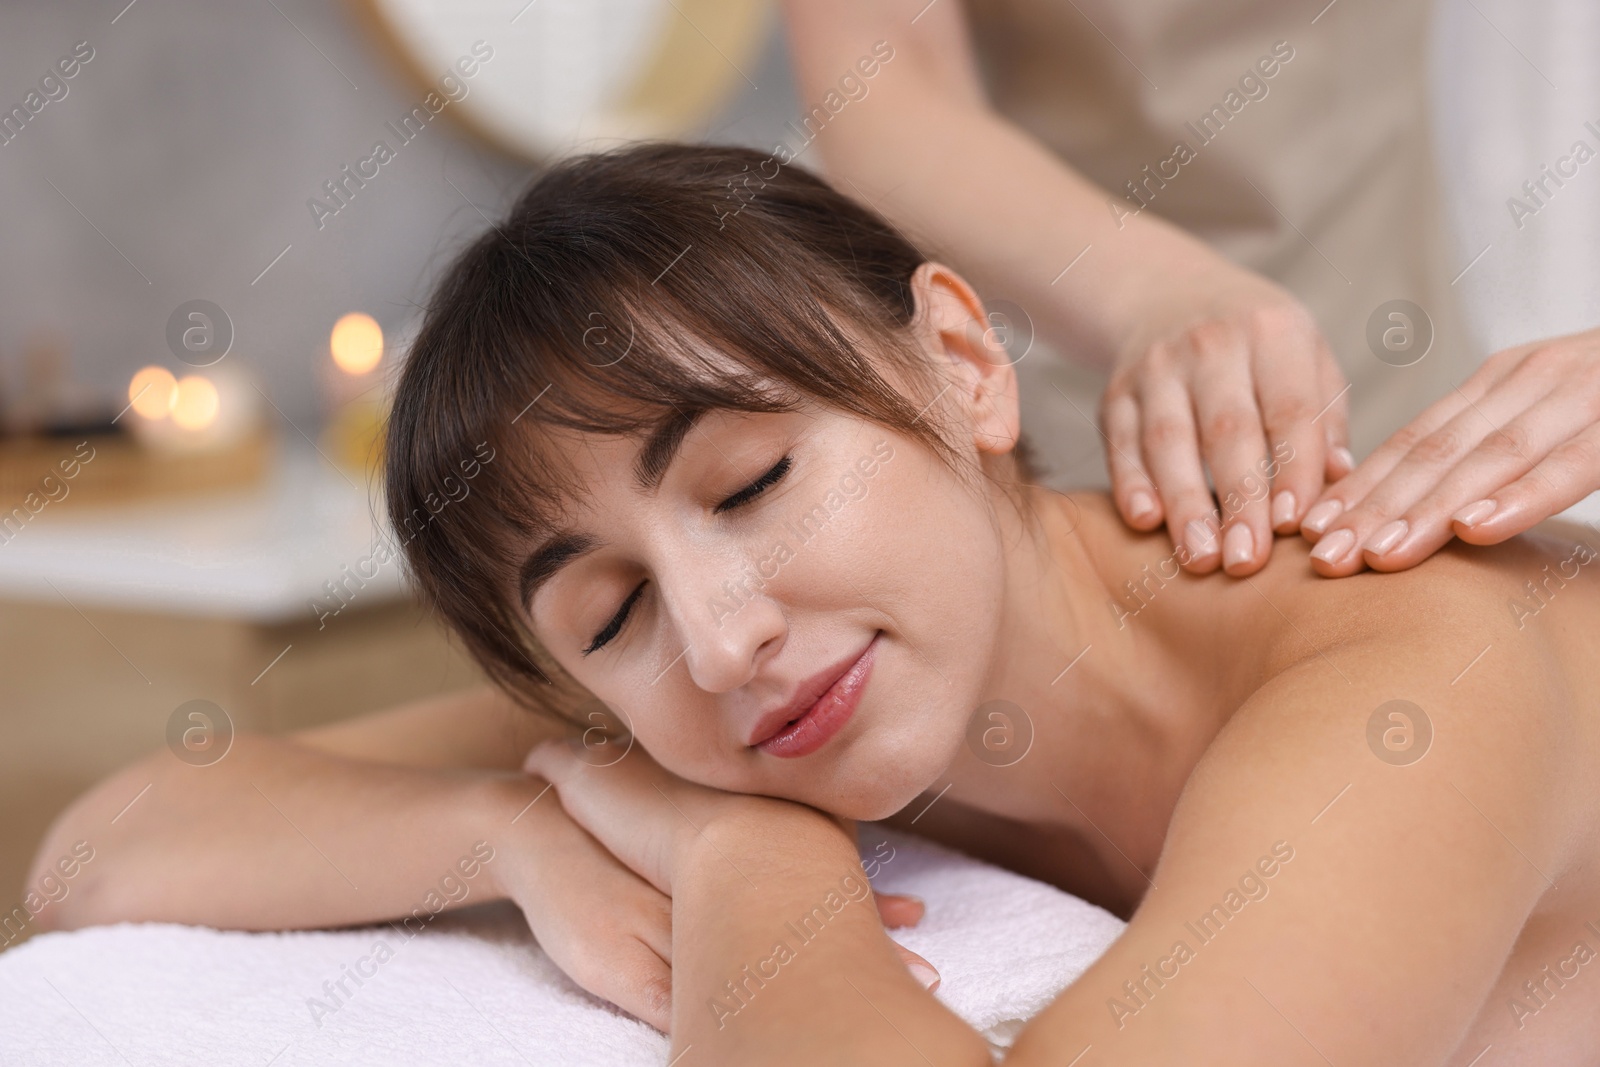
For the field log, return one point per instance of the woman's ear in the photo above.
(954, 328)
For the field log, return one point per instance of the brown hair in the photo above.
(594, 306)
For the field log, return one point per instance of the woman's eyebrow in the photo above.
(543, 563)
(661, 447)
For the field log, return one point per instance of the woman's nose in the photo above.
(726, 614)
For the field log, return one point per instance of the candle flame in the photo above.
(196, 405)
(152, 392)
(356, 343)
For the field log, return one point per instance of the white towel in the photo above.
(474, 987)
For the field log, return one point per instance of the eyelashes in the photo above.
(615, 625)
(744, 496)
(757, 487)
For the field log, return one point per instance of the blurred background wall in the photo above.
(180, 162)
(1514, 83)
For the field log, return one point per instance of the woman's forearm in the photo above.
(279, 835)
(955, 175)
(779, 956)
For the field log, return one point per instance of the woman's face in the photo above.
(778, 546)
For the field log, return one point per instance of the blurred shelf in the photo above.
(261, 554)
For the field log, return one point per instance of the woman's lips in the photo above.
(828, 715)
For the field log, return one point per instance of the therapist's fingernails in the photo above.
(1317, 518)
(1198, 536)
(1237, 546)
(1387, 537)
(1140, 504)
(1283, 509)
(927, 976)
(1333, 547)
(1473, 514)
(1346, 460)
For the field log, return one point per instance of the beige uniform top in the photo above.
(1320, 176)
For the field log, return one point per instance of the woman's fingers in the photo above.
(634, 978)
(920, 969)
(603, 925)
(1355, 486)
(897, 909)
(1536, 464)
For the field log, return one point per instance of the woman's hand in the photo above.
(630, 826)
(1513, 445)
(607, 928)
(1226, 371)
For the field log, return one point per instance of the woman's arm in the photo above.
(778, 955)
(1207, 360)
(348, 823)
(398, 815)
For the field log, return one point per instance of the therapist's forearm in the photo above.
(779, 957)
(955, 175)
(277, 835)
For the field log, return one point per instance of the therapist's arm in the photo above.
(1207, 361)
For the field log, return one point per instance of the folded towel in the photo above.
(474, 986)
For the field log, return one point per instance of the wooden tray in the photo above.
(115, 468)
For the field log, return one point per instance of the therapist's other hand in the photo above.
(1514, 444)
(1232, 372)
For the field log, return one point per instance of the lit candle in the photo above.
(197, 412)
(356, 343)
(353, 433)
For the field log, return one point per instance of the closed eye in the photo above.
(757, 487)
(614, 627)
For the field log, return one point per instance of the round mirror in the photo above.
(539, 78)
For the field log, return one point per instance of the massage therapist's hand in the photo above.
(652, 821)
(1516, 443)
(1226, 369)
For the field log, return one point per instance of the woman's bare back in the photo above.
(1483, 614)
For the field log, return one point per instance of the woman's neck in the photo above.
(1121, 685)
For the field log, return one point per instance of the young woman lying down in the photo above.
(743, 477)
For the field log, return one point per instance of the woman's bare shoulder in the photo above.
(1534, 598)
